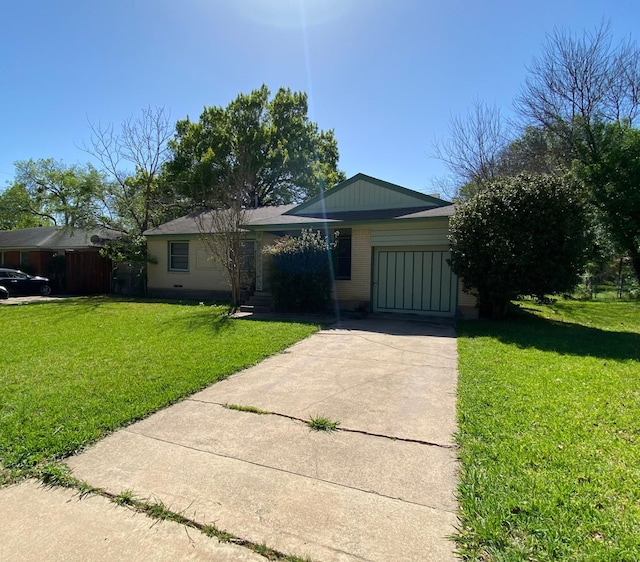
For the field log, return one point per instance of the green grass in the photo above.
(549, 430)
(74, 370)
(320, 423)
(250, 409)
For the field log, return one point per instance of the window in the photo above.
(342, 255)
(24, 259)
(178, 256)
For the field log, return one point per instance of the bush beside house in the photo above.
(301, 272)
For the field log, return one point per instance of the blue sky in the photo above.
(386, 75)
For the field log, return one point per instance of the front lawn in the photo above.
(72, 371)
(549, 430)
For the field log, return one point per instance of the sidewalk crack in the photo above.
(339, 428)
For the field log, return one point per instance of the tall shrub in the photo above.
(301, 273)
(525, 235)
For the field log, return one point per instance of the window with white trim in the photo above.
(178, 256)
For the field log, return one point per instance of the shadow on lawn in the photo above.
(527, 330)
(203, 318)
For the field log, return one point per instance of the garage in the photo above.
(413, 280)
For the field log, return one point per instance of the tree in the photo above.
(524, 235)
(536, 151)
(133, 157)
(224, 236)
(16, 209)
(585, 91)
(614, 182)
(60, 194)
(476, 142)
(579, 81)
(265, 151)
(136, 198)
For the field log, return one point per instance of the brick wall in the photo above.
(356, 292)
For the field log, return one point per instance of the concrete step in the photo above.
(254, 308)
(260, 301)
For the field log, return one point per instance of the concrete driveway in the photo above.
(30, 299)
(381, 487)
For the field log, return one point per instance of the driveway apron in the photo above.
(380, 487)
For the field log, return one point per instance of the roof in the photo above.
(330, 207)
(189, 223)
(53, 238)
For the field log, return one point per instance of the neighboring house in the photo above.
(70, 258)
(392, 250)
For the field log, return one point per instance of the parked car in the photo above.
(20, 283)
(4, 294)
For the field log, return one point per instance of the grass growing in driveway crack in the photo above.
(250, 409)
(320, 423)
(317, 423)
(161, 512)
(58, 474)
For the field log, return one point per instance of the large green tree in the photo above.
(613, 179)
(256, 151)
(524, 235)
(17, 209)
(64, 195)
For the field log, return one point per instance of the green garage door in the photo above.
(416, 281)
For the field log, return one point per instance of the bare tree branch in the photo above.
(133, 157)
(223, 234)
(475, 143)
(579, 80)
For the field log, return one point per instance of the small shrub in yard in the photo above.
(301, 278)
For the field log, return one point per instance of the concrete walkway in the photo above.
(381, 487)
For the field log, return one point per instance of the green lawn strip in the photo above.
(549, 434)
(77, 369)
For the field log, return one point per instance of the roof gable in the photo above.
(364, 193)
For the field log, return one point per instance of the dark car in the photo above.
(20, 283)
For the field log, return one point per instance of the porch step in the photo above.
(260, 301)
(251, 308)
